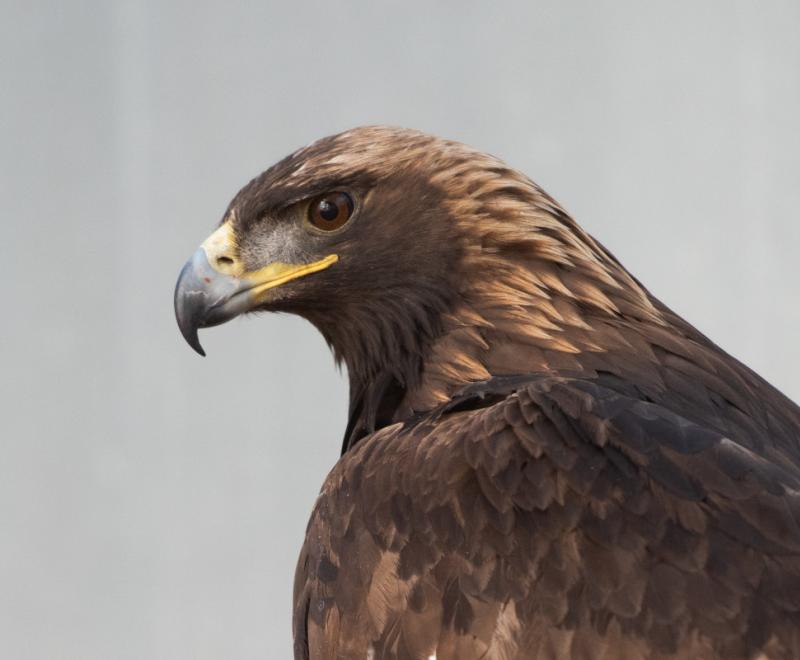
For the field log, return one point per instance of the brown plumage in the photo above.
(542, 460)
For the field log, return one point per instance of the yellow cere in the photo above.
(221, 252)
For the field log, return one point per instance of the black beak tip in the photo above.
(188, 328)
(190, 335)
(189, 308)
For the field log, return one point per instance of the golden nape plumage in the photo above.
(541, 459)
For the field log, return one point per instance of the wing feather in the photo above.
(559, 517)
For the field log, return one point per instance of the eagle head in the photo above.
(400, 246)
(355, 232)
(348, 232)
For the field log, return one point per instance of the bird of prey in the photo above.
(541, 460)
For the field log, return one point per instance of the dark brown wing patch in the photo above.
(552, 517)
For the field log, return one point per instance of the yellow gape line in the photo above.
(223, 256)
(277, 273)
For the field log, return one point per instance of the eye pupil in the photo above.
(330, 211)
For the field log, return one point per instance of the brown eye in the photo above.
(330, 211)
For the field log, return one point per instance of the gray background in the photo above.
(152, 503)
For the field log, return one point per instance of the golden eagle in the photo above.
(541, 460)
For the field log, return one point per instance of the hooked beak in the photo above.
(214, 287)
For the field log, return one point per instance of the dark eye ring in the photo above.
(330, 211)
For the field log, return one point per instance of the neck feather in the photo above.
(532, 293)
